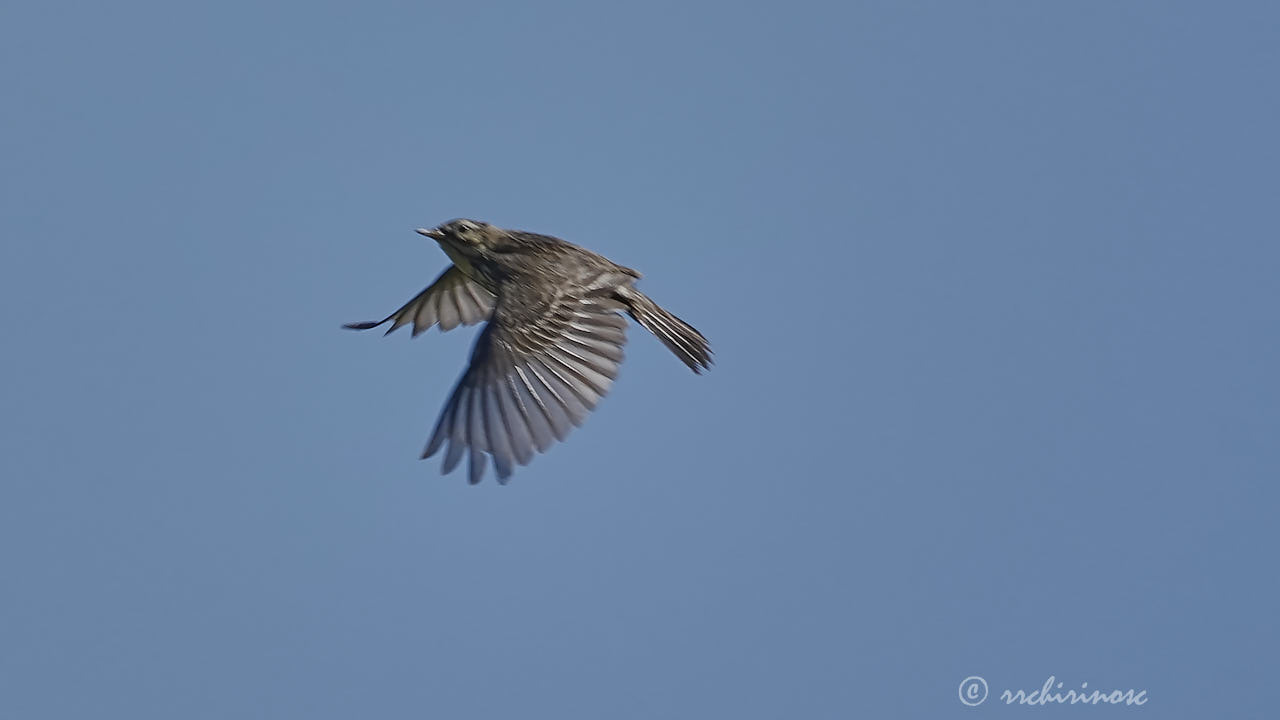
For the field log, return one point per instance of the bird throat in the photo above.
(460, 261)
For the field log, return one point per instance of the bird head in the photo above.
(469, 238)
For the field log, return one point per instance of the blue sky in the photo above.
(991, 286)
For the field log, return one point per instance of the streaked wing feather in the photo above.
(534, 375)
(452, 300)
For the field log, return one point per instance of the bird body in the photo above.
(552, 345)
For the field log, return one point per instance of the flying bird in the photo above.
(551, 346)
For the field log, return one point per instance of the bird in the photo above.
(550, 348)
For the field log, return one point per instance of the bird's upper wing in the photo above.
(539, 367)
(452, 300)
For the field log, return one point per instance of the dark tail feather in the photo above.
(678, 335)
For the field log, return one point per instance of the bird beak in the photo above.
(433, 233)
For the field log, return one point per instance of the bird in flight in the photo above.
(550, 349)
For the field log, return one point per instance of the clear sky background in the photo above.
(992, 289)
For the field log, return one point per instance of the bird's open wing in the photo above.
(452, 300)
(538, 368)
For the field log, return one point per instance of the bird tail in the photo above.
(679, 336)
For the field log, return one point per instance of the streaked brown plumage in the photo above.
(550, 350)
